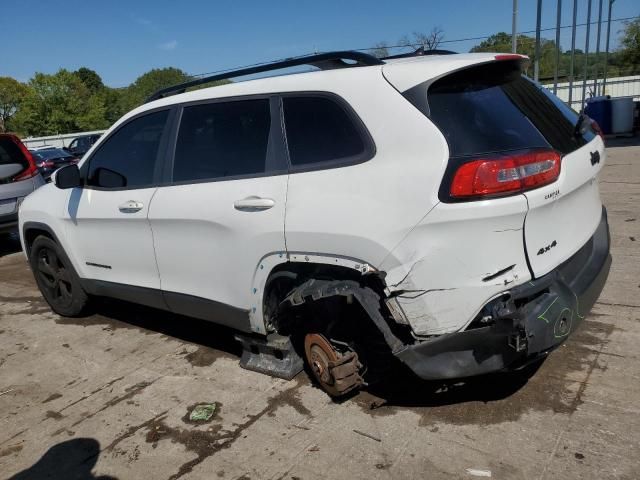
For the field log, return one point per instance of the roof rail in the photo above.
(420, 52)
(324, 61)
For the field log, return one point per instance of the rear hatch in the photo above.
(16, 165)
(509, 136)
(563, 215)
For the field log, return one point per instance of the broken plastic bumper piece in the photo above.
(528, 321)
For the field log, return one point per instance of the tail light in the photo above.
(505, 174)
(32, 169)
(46, 164)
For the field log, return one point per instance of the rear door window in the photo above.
(320, 132)
(223, 140)
(493, 108)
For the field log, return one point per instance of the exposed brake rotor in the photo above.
(337, 372)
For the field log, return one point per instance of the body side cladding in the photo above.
(179, 303)
(36, 226)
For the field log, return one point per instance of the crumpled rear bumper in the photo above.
(532, 320)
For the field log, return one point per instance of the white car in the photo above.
(440, 209)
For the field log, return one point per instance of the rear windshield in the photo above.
(50, 153)
(10, 153)
(494, 108)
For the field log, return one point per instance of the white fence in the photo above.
(55, 140)
(616, 87)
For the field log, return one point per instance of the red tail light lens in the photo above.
(505, 175)
(32, 169)
(46, 164)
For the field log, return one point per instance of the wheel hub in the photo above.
(336, 372)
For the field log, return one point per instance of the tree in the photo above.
(59, 103)
(90, 79)
(149, 83)
(427, 41)
(630, 42)
(501, 43)
(12, 94)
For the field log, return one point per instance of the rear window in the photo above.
(10, 153)
(319, 131)
(50, 153)
(493, 108)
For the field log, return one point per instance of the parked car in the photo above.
(443, 210)
(19, 177)
(81, 145)
(49, 159)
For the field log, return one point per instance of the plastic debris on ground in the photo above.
(202, 412)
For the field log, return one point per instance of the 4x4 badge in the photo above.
(547, 248)
(595, 157)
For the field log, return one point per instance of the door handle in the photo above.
(131, 206)
(253, 204)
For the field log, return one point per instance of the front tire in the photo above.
(57, 280)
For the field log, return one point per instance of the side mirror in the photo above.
(10, 169)
(67, 177)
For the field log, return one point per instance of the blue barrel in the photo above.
(599, 109)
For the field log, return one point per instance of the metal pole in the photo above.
(536, 65)
(573, 49)
(595, 69)
(586, 56)
(514, 26)
(558, 53)
(606, 51)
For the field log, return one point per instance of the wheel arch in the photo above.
(32, 230)
(281, 265)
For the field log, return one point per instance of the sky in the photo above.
(123, 39)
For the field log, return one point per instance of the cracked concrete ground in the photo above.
(108, 396)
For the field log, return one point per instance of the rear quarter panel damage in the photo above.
(444, 271)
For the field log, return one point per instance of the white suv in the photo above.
(440, 209)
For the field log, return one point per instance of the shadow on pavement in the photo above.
(70, 460)
(9, 243)
(120, 314)
(399, 387)
(403, 389)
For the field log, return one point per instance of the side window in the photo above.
(320, 130)
(73, 144)
(128, 157)
(218, 140)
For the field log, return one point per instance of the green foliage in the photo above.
(630, 43)
(149, 83)
(620, 63)
(90, 79)
(55, 104)
(12, 94)
(501, 42)
(68, 102)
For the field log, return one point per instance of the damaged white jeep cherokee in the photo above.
(442, 210)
